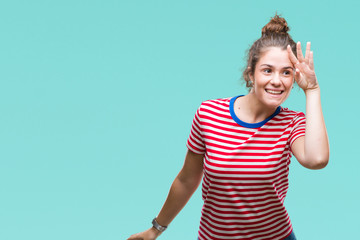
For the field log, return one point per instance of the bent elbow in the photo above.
(322, 164)
(318, 163)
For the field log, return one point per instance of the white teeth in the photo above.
(273, 92)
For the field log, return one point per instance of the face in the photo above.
(273, 77)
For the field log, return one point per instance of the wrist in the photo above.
(155, 232)
(312, 90)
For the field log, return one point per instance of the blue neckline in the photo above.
(245, 124)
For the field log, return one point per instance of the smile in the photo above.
(275, 92)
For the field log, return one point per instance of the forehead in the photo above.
(275, 56)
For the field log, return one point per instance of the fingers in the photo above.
(292, 56)
(304, 67)
(307, 52)
(311, 60)
(300, 56)
(135, 237)
(297, 74)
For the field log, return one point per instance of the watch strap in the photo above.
(158, 226)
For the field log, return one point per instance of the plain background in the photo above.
(97, 100)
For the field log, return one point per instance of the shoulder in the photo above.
(214, 106)
(292, 118)
(290, 113)
(216, 103)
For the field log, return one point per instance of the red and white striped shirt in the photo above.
(246, 167)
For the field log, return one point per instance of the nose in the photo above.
(275, 80)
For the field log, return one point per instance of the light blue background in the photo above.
(97, 99)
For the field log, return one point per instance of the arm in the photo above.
(184, 185)
(312, 150)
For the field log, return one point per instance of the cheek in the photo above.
(261, 79)
(288, 82)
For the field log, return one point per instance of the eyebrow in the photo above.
(268, 65)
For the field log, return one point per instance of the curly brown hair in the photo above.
(273, 34)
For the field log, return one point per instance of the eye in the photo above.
(287, 72)
(267, 70)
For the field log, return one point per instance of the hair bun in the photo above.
(277, 25)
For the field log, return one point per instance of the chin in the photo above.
(273, 104)
(274, 100)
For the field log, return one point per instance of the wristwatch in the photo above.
(158, 226)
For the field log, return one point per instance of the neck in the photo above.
(254, 109)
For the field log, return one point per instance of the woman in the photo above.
(241, 146)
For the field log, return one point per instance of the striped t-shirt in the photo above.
(246, 167)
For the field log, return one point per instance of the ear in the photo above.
(250, 74)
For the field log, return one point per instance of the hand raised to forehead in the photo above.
(304, 67)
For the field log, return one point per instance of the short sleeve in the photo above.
(195, 142)
(298, 128)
